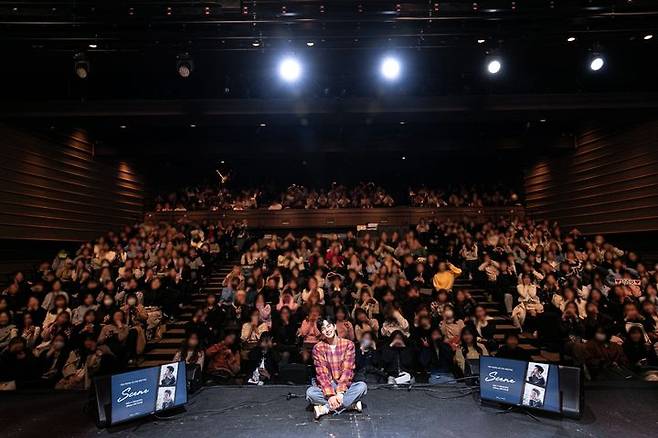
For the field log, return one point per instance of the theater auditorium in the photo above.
(339, 218)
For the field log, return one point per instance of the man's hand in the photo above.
(334, 402)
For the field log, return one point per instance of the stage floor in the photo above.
(610, 410)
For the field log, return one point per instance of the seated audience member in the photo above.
(529, 305)
(394, 321)
(368, 363)
(88, 326)
(483, 327)
(598, 354)
(60, 304)
(88, 303)
(398, 359)
(640, 353)
(19, 368)
(191, 352)
(285, 336)
(469, 349)
(52, 361)
(124, 341)
(30, 332)
(445, 276)
(85, 363)
(251, 332)
(263, 367)
(224, 359)
(451, 328)
(364, 324)
(344, 328)
(8, 331)
(309, 331)
(437, 358)
(367, 303)
(286, 299)
(512, 350)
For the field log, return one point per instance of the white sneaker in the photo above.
(357, 407)
(320, 410)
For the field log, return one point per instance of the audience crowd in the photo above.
(464, 196)
(91, 312)
(395, 295)
(362, 195)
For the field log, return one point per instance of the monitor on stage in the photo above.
(532, 385)
(147, 391)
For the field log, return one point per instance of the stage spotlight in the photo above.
(184, 65)
(93, 46)
(390, 68)
(596, 62)
(310, 43)
(571, 39)
(81, 65)
(480, 41)
(290, 70)
(648, 37)
(494, 66)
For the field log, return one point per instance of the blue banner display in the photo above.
(501, 380)
(530, 384)
(143, 392)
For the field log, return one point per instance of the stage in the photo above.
(615, 409)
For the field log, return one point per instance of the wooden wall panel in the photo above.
(55, 189)
(608, 184)
(337, 218)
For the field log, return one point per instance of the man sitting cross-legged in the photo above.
(333, 358)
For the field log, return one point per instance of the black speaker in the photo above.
(571, 391)
(103, 396)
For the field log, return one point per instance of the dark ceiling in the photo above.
(444, 100)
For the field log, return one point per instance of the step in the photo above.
(167, 342)
(161, 353)
(174, 333)
(506, 328)
(549, 356)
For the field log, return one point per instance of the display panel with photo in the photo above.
(533, 396)
(537, 374)
(168, 374)
(166, 398)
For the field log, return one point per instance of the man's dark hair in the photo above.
(319, 322)
(170, 368)
(167, 391)
(540, 368)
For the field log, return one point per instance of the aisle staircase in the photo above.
(163, 350)
(504, 324)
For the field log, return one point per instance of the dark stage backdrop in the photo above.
(607, 184)
(53, 188)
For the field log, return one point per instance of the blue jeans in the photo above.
(353, 394)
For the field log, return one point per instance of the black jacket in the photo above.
(397, 360)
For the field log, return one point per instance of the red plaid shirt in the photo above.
(335, 365)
